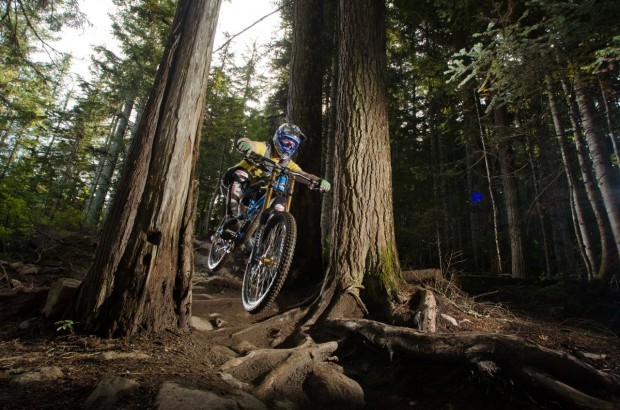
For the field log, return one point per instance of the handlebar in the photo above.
(264, 163)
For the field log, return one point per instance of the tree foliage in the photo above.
(451, 66)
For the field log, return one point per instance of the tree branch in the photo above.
(231, 38)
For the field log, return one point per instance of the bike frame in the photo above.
(253, 213)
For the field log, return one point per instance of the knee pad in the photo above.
(241, 176)
(278, 204)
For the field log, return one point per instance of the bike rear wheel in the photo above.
(269, 262)
(218, 251)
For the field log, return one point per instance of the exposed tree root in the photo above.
(555, 374)
(293, 375)
(287, 377)
(273, 331)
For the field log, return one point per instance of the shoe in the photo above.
(230, 228)
(247, 246)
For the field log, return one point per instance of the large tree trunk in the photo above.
(539, 204)
(329, 142)
(140, 278)
(498, 253)
(511, 194)
(110, 162)
(475, 227)
(304, 109)
(98, 171)
(363, 252)
(609, 115)
(592, 191)
(576, 195)
(601, 163)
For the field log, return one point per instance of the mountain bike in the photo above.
(271, 235)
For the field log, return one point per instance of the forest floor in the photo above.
(43, 367)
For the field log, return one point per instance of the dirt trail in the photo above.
(218, 295)
(29, 343)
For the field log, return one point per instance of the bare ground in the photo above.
(28, 343)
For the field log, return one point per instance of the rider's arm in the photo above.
(309, 176)
(296, 168)
(321, 183)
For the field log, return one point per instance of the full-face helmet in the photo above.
(286, 140)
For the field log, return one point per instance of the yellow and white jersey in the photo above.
(261, 149)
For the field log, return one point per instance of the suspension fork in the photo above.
(289, 199)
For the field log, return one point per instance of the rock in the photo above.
(24, 269)
(24, 325)
(15, 284)
(328, 387)
(44, 374)
(60, 297)
(201, 324)
(122, 355)
(200, 260)
(108, 391)
(218, 323)
(171, 396)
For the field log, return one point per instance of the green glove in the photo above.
(244, 146)
(325, 186)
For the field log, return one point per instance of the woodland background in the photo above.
(503, 116)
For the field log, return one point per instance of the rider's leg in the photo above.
(240, 179)
(235, 181)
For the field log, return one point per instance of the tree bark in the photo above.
(111, 160)
(576, 196)
(511, 194)
(329, 142)
(608, 116)
(485, 153)
(602, 166)
(304, 109)
(363, 252)
(592, 191)
(140, 278)
(541, 215)
(97, 175)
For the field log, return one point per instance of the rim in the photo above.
(261, 275)
(219, 249)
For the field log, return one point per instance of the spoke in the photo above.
(265, 264)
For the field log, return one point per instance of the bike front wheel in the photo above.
(269, 262)
(219, 249)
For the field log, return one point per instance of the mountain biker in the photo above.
(280, 148)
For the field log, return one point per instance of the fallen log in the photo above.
(421, 275)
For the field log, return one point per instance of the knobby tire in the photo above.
(281, 232)
(216, 260)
